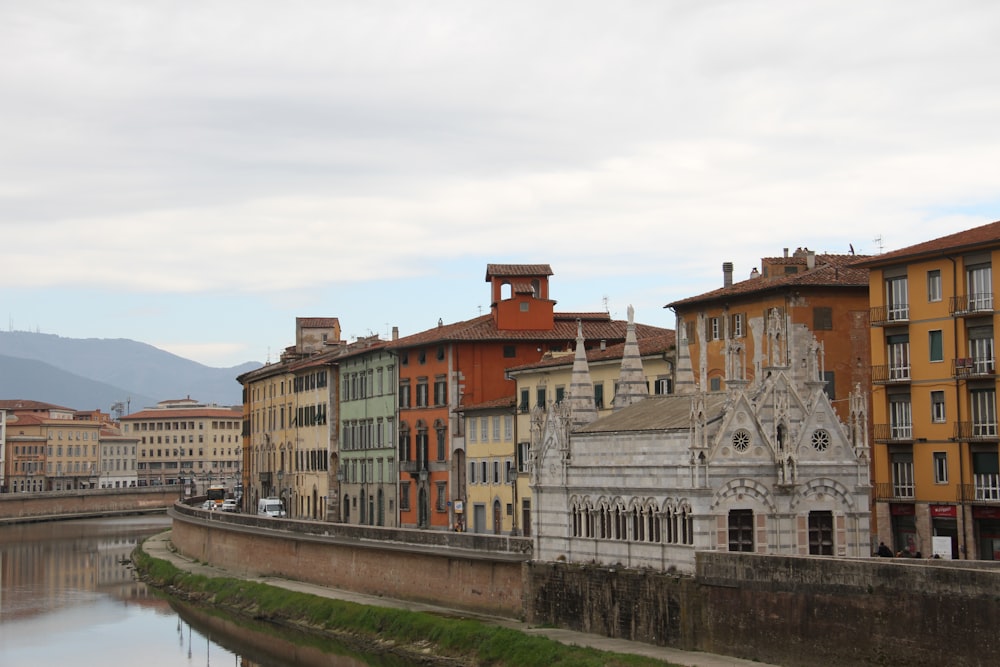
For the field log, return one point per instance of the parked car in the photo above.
(270, 507)
(229, 505)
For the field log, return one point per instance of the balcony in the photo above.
(893, 433)
(894, 374)
(893, 491)
(986, 489)
(971, 304)
(971, 367)
(977, 431)
(897, 313)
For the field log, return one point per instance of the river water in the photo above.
(68, 597)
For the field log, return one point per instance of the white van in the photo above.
(270, 507)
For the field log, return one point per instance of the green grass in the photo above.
(468, 640)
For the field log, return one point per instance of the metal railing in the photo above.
(890, 374)
(977, 431)
(971, 304)
(892, 314)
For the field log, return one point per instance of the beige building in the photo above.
(492, 472)
(118, 460)
(289, 430)
(184, 441)
(549, 382)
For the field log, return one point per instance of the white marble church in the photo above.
(765, 466)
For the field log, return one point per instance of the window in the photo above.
(689, 331)
(712, 328)
(898, 356)
(560, 394)
(715, 384)
(822, 318)
(900, 417)
(441, 502)
(422, 393)
(897, 299)
(523, 454)
(508, 427)
(937, 407)
(940, 467)
(404, 393)
(509, 351)
(404, 496)
(441, 442)
(821, 533)
(484, 432)
(525, 403)
(741, 530)
(599, 395)
(979, 282)
(472, 472)
(471, 428)
(830, 386)
(483, 477)
(738, 322)
(440, 392)
(981, 349)
(936, 344)
(984, 412)
(663, 386)
(496, 472)
(496, 428)
(440, 353)
(902, 475)
(541, 397)
(934, 285)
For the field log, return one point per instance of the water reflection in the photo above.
(68, 596)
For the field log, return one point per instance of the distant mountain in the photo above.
(93, 373)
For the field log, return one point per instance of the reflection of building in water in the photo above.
(48, 566)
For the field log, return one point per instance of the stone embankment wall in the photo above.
(24, 507)
(481, 573)
(785, 610)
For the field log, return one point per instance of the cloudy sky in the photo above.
(195, 175)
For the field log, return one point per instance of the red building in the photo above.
(453, 365)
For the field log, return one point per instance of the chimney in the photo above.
(786, 253)
(727, 274)
(395, 333)
(810, 260)
(604, 345)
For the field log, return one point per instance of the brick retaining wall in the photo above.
(20, 507)
(451, 569)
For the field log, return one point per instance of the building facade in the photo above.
(764, 466)
(933, 318)
(289, 430)
(182, 441)
(491, 482)
(552, 378)
(119, 459)
(826, 293)
(368, 477)
(452, 366)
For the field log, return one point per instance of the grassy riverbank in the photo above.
(456, 641)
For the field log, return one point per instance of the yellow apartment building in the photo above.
(491, 482)
(935, 436)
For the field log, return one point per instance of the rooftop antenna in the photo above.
(879, 245)
(605, 300)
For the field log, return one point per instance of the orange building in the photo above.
(937, 479)
(722, 333)
(462, 364)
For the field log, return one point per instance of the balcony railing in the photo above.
(893, 433)
(971, 367)
(888, 491)
(971, 304)
(890, 374)
(892, 314)
(977, 431)
(985, 489)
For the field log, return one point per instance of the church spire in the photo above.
(631, 381)
(582, 410)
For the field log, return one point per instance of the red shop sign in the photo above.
(944, 511)
(901, 510)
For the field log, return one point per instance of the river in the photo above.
(68, 596)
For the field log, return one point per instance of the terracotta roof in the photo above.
(496, 404)
(483, 329)
(517, 270)
(978, 237)
(178, 413)
(20, 404)
(830, 271)
(652, 345)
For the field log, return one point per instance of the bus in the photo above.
(216, 493)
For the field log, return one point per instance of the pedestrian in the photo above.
(884, 551)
